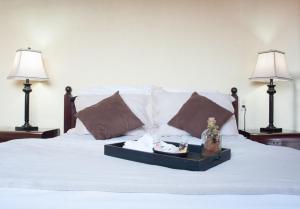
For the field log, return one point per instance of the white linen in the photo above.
(144, 144)
(166, 147)
(41, 199)
(166, 104)
(78, 163)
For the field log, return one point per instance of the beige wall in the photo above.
(209, 44)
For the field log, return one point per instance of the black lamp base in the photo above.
(270, 129)
(26, 127)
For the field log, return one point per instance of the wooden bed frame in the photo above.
(70, 110)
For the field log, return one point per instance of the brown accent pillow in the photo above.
(109, 118)
(192, 116)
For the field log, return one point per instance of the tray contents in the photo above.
(170, 149)
(193, 161)
(212, 138)
(148, 143)
(145, 144)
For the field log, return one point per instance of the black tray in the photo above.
(194, 161)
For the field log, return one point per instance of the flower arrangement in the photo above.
(211, 136)
(213, 130)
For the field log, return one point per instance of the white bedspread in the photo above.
(78, 164)
(42, 199)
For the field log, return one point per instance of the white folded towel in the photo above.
(165, 147)
(145, 144)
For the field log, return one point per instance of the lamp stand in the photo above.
(271, 128)
(27, 126)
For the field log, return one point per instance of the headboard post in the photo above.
(235, 104)
(69, 110)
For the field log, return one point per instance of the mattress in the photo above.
(72, 164)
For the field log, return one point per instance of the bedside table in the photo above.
(7, 134)
(285, 138)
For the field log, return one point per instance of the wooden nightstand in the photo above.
(285, 138)
(7, 134)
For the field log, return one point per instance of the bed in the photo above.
(71, 171)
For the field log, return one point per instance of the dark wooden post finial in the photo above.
(234, 91)
(68, 90)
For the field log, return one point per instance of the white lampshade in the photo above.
(28, 64)
(271, 65)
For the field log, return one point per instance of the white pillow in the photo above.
(166, 104)
(139, 104)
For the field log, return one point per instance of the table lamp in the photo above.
(271, 65)
(28, 65)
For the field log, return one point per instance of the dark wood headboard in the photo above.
(70, 110)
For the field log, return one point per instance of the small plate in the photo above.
(183, 154)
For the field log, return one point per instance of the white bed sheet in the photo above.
(42, 199)
(35, 171)
(78, 163)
